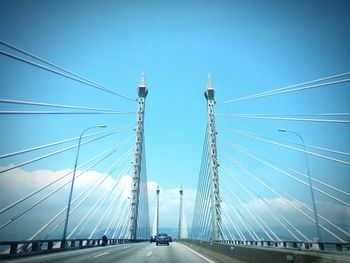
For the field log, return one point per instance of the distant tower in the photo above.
(157, 229)
(183, 233)
(213, 166)
(135, 190)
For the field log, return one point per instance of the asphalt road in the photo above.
(130, 253)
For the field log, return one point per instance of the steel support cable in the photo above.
(122, 221)
(240, 234)
(109, 151)
(226, 215)
(63, 112)
(227, 228)
(222, 232)
(143, 215)
(246, 224)
(61, 212)
(107, 211)
(204, 208)
(267, 93)
(58, 67)
(270, 209)
(54, 153)
(124, 225)
(307, 145)
(78, 79)
(202, 212)
(280, 118)
(237, 228)
(18, 215)
(93, 210)
(303, 88)
(283, 218)
(271, 188)
(205, 222)
(114, 219)
(42, 104)
(264, 223)
(231, 237)
(293, 148)
(318, 181)
(334, 114)
(120, 128)
(61, 68)
(86, 214)
(92, 188)
(198, 200)
(243, 220)
(52, 220)
(261, 160)
(118, 215)
(253, 215)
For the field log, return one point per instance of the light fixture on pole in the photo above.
(318, 232)
(72, 185)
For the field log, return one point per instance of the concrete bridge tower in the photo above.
(183, 233)
(135, 188)
(215, 208)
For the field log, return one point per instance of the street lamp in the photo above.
(310, 183)
(72, 185)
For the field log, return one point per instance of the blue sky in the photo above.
(247, 46)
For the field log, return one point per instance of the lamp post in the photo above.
(72, 185)
(310, 183)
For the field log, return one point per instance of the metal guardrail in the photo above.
(13, 249)
(299, 245)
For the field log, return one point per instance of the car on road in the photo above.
(153, 239)
(170, 239)
(162, 239)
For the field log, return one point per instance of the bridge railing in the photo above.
(11, 249)
(300, 245)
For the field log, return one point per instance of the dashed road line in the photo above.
(149, 253)
(102, 254)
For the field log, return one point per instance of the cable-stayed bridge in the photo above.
(246, 198)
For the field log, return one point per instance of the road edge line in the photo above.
(198, 254)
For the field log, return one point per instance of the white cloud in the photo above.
(18, 183)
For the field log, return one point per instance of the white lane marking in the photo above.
(125, 247)
(149, 253)
(199, 255)
(102, 254)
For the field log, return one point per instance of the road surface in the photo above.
(128, 253)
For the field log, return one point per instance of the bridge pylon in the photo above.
(215, 200)
(182, 222)
(135, 188)
(157, 213)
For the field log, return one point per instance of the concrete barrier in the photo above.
(257, 254)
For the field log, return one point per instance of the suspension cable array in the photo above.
(102, 196)
(266, 180)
